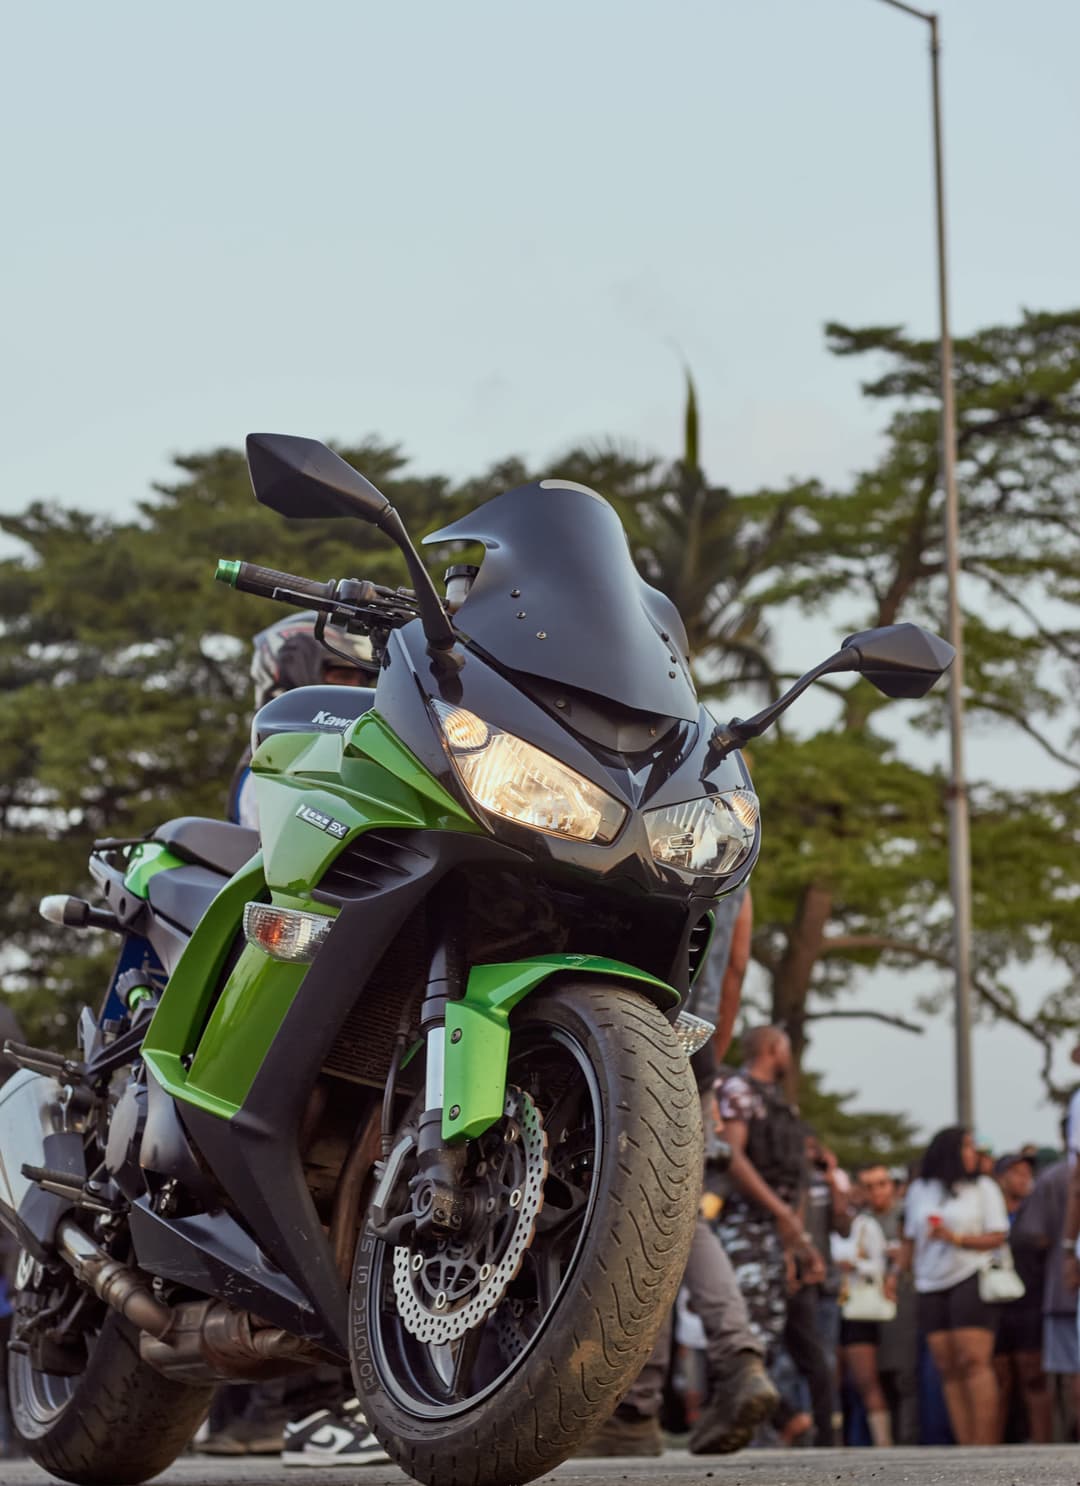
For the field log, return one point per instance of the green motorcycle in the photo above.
(401, 1080)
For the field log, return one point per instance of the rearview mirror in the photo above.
(303, 478)
(901, 660)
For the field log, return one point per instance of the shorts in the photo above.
(860, 1333)
(1061, 1345)
(959, 1308)
(1020, 1328)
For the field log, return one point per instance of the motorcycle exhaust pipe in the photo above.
(116, 1284)
(196, 1341)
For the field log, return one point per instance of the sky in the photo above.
(486, 229)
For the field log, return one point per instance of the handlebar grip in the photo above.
(250, 577)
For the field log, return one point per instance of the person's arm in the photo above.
(1030, 1224)
(901, 1268)
(994, 1215)
(870, 1248)
(1072, 1228)
(734, 975)
(840, 1192)
(753, 1185)
(979, 1243)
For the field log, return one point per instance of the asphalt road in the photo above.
(1018, 1466)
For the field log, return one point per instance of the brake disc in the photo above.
(445, 1289)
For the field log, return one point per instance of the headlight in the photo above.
(511, 778)
(709, 837)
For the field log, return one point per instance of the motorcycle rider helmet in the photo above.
(287, 655)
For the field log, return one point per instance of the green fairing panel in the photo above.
(366, 780)
(478, 1030)
(145, 861)
(244, 1023)
(173, 1033)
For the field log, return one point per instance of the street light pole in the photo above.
(959, 840)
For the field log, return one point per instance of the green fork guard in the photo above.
(478, 1031)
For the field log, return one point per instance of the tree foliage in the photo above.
(124, 696)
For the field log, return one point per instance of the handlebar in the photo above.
(250, 577)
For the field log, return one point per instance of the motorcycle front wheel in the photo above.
(488, 1357)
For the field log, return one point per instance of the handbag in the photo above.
(866, 1301)
(998, 1281)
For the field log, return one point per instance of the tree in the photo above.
(124, 690)
(124, 695)
(856, 870)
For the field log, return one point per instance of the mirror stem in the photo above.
(441, 636)
(732, 735)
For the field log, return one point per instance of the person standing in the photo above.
(861, 1339)
(1040, 1225)
(761, 1226)
(897, 1356)
(953, 1221)
(812, 1329)
(1018, 1350)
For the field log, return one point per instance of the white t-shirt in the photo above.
(977, 1207)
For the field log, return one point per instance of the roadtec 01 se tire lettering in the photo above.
(622, 1281)
(122, 1423)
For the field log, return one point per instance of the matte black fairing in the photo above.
(558, 596)
(677, 767)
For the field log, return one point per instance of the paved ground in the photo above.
(1019, 1466)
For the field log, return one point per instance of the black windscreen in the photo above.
(558, 596)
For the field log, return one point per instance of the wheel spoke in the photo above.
(465, 1353)
(559, 1117)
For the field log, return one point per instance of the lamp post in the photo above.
(959, 843)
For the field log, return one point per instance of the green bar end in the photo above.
(228, 571)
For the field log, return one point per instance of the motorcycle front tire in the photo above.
(625, 1276)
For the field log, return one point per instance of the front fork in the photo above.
(438, 1198)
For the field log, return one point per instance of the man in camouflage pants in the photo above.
(760, 1222)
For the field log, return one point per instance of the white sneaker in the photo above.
(332, 1437)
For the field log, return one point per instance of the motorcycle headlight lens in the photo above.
(709, 837)
(509, 777)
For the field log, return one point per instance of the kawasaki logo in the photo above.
(329, 720)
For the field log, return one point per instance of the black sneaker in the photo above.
(744, 1399)
(332, 1437)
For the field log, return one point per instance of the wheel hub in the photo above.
(444, 1285)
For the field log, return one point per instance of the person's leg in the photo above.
(973, 1363)
(801, 1340)
(1003, 1373)
(828, 1330)
(756, 1256)
(1038, 1398)
(716, 1298)
(861, 1363)
(956, 1397)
